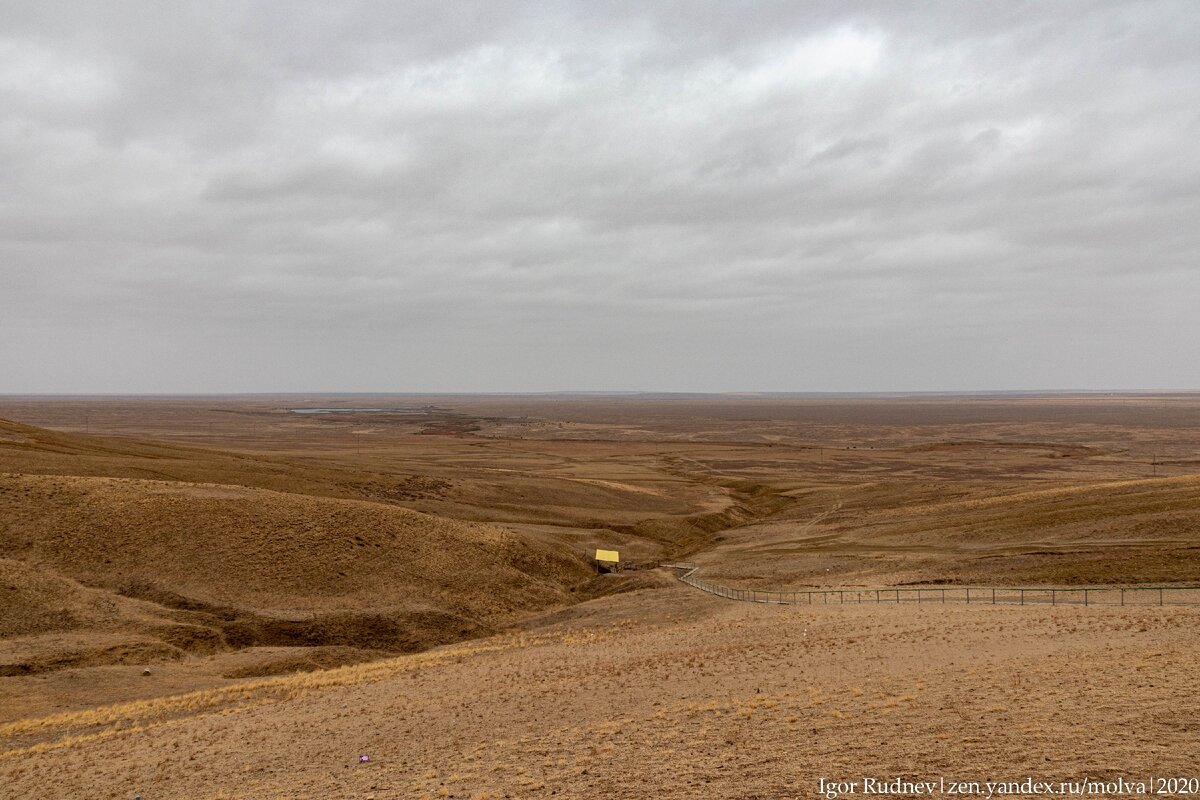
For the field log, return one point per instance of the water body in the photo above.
(359, 410)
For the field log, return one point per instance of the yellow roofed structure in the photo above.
(611, 556)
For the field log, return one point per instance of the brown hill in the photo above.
(90, 565)
(286, 555)
(49, 622)
(1120, 532)
(30, 450)
(38, 601)
(420, 472)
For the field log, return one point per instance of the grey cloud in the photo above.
(474, 196)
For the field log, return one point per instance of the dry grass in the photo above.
(237, 518)
(61, 730)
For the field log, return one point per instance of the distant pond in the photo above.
(359, 410)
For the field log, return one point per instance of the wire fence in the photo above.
(984, 595)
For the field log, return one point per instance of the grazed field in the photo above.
(279, 574)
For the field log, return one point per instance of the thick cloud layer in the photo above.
(664, 196)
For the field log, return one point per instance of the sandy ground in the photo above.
(671, 693)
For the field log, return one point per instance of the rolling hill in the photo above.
(163, 567)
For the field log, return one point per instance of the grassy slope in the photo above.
(238, 564)
(1134, 531)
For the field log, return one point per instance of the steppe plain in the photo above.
(409, 581)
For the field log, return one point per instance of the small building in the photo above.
(608, 560)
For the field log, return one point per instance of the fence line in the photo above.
(990, 595)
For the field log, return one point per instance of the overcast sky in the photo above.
(402, 196)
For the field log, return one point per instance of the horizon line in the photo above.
(622, 393)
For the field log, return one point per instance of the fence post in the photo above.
(943, 597)
(842, 597)
(968, 595)
(1052, 597)
(918, 597)
(897, 597)
(1085, 597)
(1122, 597)
(1022, 597)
